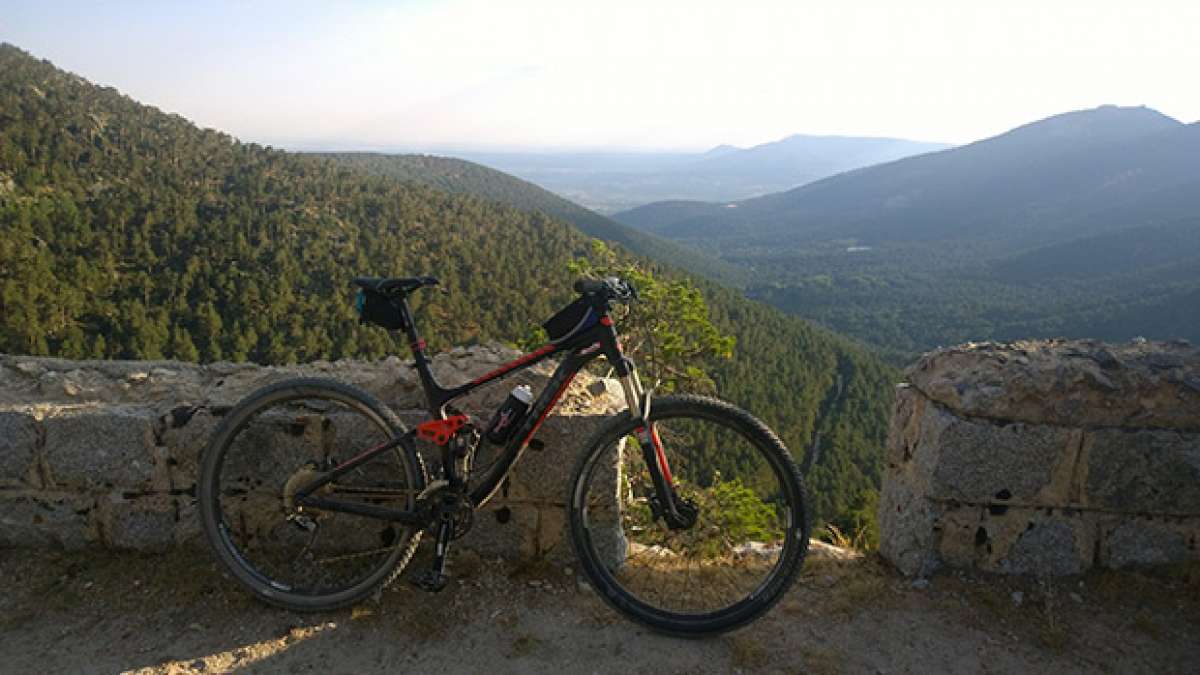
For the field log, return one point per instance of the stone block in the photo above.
(140, 523)
(1143, 471)
(978, 461)
(906, 527)
(1018, 540)
(18, 448)
(94, 447)
(186, 433)
(544, 472)
(56, 520)
(1048, 548)
(188, 532)
(553, 541)
(1144, 541)
(507, 531)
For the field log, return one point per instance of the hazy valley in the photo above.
(1081, 225)
(608, 182)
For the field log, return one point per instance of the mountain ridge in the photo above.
(843, 202)
(922, 251)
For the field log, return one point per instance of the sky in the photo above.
(607, 74)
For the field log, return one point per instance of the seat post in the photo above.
(420, 357)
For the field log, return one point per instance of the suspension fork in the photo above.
(677, 513)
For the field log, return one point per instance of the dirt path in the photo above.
(105, 612)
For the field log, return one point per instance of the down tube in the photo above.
(541, 409)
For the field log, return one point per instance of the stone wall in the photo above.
(105, 452)
(1045, 458)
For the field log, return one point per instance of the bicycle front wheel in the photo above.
(286, 436)
(733, 561)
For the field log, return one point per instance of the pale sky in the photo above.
(652, 74)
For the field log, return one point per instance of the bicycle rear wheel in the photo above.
(283, 437)
(745, 546)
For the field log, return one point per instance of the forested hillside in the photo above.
(459, 176)
(1078, 225)
(129, 233)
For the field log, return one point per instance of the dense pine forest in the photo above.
(129, 233)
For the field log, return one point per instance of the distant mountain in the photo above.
(801, 159)
(720, 151)
(459, 176)
(948, 231)
(1028, 183)
(613, 181)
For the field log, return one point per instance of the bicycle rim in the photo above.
(285, 441)
(739, 555)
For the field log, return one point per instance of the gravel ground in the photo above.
(102, 612)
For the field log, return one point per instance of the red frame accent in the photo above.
(553, 402)
(606, 321)
(541, 351)
(440, 431)
(364, 453)
(659, 454)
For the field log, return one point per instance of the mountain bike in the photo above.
(686, 513)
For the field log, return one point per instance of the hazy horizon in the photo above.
(468, 76)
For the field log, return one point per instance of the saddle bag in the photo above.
(378, 309)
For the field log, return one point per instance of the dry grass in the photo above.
(1144, 623)
(1053, 629)
(524, 645)
(822, 661)
(747, 651)
(854, 542)
(841, 588)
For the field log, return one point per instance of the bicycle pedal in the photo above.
(430, 581)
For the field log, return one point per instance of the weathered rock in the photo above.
(1047, 549)
(1144, 471)
(906, 527)
(100, 447)
(141, 523)
(18, 447)
(978, 460)
(1145, 542)
(1073, 383)
(1044, 458)
(187, 431)
(45, 519)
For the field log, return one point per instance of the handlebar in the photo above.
(611, 288)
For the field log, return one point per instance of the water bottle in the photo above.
(510, 414)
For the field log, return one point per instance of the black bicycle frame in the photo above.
(580, 349)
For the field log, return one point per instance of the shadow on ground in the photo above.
(175, 613)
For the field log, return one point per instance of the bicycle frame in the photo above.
(580, 349)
